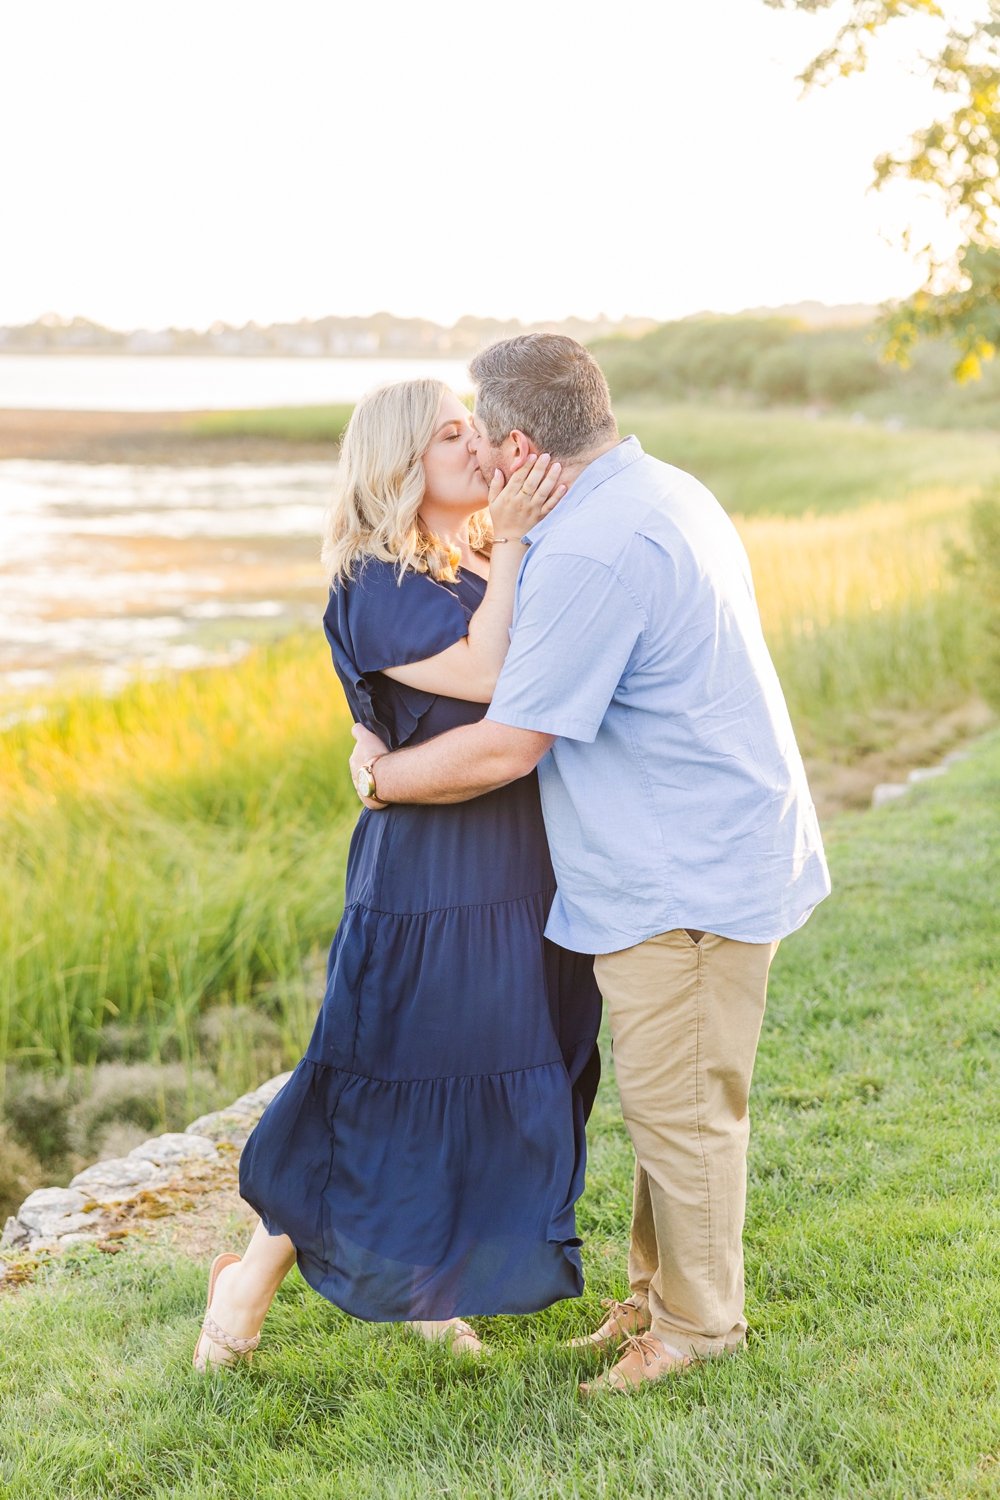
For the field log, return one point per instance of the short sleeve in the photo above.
(388, 622)
(376, 621)
(576, 628)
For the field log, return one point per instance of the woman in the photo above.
(423, 1161)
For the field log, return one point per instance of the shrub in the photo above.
(781, 373)
(842, 371)
(118, 1139)
(37, 1107)
(633, 372)
(696, 355)
(124, 1041)
(20, 1173)
(155, 1097)
(240, 1043)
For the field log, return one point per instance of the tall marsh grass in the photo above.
(286, 424)
(862, 613)
(781, 463)
(180, 844)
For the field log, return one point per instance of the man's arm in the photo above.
(453, 767)
(576, 629)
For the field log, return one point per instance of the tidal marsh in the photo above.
(181, 846)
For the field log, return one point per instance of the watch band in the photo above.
(368, 770)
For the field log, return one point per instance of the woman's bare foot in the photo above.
(237, 1306)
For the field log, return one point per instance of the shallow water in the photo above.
(149, 382)
(108, 570)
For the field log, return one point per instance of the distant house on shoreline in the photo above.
(380, 335)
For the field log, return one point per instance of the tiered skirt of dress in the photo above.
(426, 1154)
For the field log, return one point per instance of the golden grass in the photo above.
(862, 612)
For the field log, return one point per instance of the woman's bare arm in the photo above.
(469, 669)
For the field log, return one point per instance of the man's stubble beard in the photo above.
(488, 466)
(487, 469)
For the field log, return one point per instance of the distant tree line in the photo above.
(777, 361)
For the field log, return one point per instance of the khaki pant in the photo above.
(685, 1019)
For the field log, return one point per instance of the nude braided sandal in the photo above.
(460, 1339)
(240, 1350)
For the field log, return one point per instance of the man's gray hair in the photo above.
(547, 386)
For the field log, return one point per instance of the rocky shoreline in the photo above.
(103, 1199)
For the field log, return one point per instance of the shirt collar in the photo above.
(597, 471)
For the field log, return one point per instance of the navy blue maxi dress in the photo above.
(426, 1154)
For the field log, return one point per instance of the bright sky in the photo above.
(178, 161)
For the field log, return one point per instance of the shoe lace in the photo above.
(613, 1305)
(644, 1344)
(618, 1310)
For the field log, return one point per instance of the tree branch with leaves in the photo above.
(956, 157)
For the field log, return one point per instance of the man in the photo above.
(683, 836)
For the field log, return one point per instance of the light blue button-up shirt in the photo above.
(674, 795)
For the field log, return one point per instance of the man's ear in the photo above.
(521, 446)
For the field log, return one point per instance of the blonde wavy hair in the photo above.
(380, 487)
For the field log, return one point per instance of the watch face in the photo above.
(364, 783)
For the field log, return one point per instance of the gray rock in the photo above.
(927, 773)
(235, 1122)
(257, 1100)
(14, 1236)
(220, 1126)
(119, 1179)
(52, 1217)
(49, 1213)
(174, 1148)
(50, 1200)
(274, 1085)
(888, 791)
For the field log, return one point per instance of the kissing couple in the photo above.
(579, 781)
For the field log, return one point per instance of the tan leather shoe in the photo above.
(623, 1319)
(645, 1358)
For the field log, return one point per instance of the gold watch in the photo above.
(364, 781)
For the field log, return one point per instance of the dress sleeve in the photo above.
(375, 621)
(391, 622)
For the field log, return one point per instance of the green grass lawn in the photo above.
(873, 1261)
